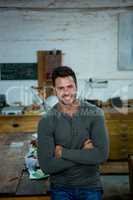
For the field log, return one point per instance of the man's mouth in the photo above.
(66, 97)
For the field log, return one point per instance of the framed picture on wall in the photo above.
(125, 41)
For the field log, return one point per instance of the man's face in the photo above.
(65, 90)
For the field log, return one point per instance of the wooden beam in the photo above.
(52, 4)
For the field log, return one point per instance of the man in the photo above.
(72, 142)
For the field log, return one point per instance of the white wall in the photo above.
(87, 39)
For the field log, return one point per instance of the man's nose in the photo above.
(66, 90)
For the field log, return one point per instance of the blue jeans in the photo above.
(62, 193)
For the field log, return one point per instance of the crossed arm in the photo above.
(55, 158)
(48, 154)
(86, 145)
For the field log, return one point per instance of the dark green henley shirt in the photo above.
(77, 167)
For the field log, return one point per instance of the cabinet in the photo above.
(47, 61)
(19, 123)
(120, 128)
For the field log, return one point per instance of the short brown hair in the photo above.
(63, 71)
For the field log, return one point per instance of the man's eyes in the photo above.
(69, 87)
(60, 88)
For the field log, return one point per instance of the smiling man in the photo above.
(72, 142)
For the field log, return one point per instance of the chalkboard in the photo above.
(18, 71)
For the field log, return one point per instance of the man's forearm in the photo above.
(53, 165)
(85, 156)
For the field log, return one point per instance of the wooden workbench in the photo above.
(14, 181)
(119, 125)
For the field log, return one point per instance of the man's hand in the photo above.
(58, 151)
(88, 144)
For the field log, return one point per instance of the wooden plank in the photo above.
(26, 198)
(41, 69)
